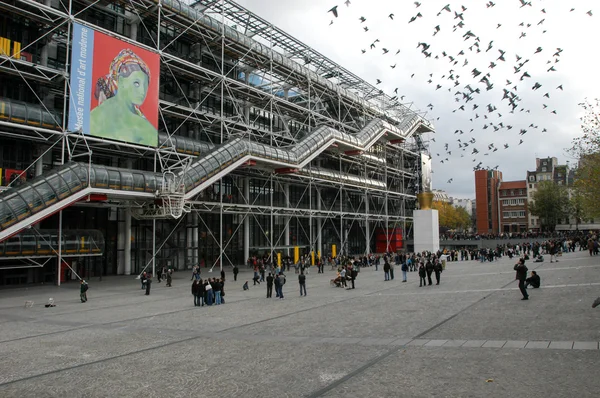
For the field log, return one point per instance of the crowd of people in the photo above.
(211, 291)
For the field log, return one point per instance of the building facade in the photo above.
(486, 200)
(263, 145)
(512, 206)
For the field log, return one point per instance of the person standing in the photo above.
(209, 292)
(429, 269)
(222, 274)
(437, 268)
(270, 285)
(404, 270)
(521, 276)
(217, 289)
(386, 271)
(235, 272)
(422, 274)
(196, 291)
(169, 277)
(148, 284)
(302, 283)
(83, 291)
(279, 285)
(391, 270)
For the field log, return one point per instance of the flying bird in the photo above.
(334, 11)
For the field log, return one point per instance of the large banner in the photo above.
(114, 88)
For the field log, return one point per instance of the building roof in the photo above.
(513, 184)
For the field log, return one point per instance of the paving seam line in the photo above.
(358, 371)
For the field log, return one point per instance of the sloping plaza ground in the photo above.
(471, 336)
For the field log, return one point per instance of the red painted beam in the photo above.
(286, 170)
(399, 141)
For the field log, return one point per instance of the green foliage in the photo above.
(587, 149)
(452, 217)
(550, 203)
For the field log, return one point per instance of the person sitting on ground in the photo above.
(245, 287)
(533, 280)
(539, 259)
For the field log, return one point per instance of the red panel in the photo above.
(353, 153)
(286, 170)
(400, 141)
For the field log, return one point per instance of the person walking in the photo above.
(148, 284)
(235, 272)
(169, 277)
(196, 291)
(270, 285)
(302, 283)
(429, 270)
(391, 270)
(521, 276)
(437, 268)
(422, 274)
(83, 291)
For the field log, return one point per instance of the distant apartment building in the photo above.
(486, 200)
(546, 169)
(512, 206)
(466, 204)
(441, 196)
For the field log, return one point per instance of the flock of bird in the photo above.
(476, 62)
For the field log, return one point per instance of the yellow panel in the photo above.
(279, 259)
(296, 254)
(17, 50)
(83, 243)
(4, 46)
(312, 258)
(333, 251)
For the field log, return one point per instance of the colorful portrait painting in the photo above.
(114, 88)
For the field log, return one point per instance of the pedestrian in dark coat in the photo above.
(437, 268)
(196, 291)
(148, 284)
(83, 291)
(386, 271)
(235, 272)
(270, 285)
(169, 277)
(422, 274)
(429, 270)
(521, 276)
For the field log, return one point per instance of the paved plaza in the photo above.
(471, 336)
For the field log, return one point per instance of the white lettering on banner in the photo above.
(81, 78)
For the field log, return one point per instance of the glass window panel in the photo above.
(114, 179)
(18, 206)
(126, 180)
(101, 177)
(59, 186)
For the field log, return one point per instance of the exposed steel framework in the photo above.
(274, 144)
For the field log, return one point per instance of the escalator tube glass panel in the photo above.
(100, 178)
(138, 182)
(18, 113)
(13, 246)
(114, 179)
(7, 216)
(70, 242)
(59, 185)
(32, 198)
(19, 207)
(126, 180)
(46, 192)
(28, 244)
(82, 173)
(150, 183)
(71, 179)
(34, 116)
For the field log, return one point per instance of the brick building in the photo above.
(486, 200)
(512, 198)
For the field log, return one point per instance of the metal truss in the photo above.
(227, 73)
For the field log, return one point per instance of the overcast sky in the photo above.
(573, 31)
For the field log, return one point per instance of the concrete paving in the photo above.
(468, 337)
